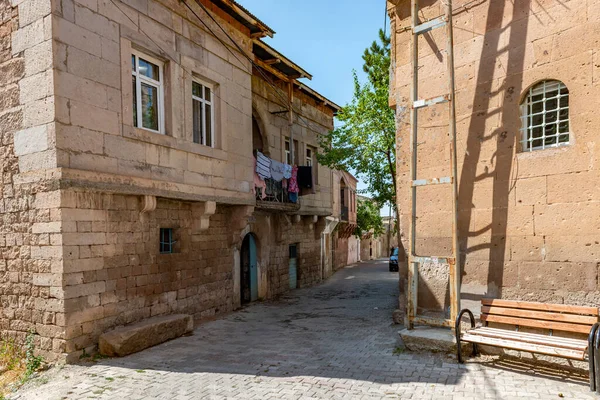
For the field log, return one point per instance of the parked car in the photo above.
(394, 260)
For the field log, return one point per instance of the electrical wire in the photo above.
(243, 52)
(192, 75)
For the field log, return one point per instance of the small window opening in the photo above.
(166, 241)
(545, 116)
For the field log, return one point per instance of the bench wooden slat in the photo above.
(531, 338)
(541, 315)
(559, 326)
(520, 334)
(522, 346)
(541, 306)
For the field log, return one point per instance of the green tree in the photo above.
(368, 218)
(365, 140)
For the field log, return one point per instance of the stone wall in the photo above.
(96, 140)
(340, 249)
(275, 233)
(528, 221)
(114, 273)
(30, 239)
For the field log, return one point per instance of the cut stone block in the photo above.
(430, 339)
(137, 337)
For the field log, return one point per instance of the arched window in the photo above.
(545, 116)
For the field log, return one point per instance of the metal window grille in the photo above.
(545, 116)
(166, 240)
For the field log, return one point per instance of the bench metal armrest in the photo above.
(593, 346)
(457, 332)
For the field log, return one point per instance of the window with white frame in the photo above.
(287, 152)
(545, 116)
(203, 115)
(309, 157)
(148, 94)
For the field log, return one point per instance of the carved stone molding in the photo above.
(148, 204)
(201, 213)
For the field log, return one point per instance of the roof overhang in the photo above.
(319, 97)
(267, 55)
(257, 28)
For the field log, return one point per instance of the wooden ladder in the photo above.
(415, 260)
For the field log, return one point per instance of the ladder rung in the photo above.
(431, 259)
(434, 181)
(430, 102)
(429, 25)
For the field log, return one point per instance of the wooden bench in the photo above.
(552, 317)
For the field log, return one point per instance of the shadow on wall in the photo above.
(503, 138)
(486, 147)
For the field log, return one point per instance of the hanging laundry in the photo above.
(277, 170)
(263, 165)
(293, 182)
(293, 197)
(287, 171)
(259, 184)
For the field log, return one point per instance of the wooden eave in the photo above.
(255, 26)
(284, 65)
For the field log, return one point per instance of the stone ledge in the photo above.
(150, 332)
(430, 339)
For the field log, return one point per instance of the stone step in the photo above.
(139, 336)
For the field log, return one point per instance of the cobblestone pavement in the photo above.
(333, 341)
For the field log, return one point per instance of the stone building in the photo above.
(128, 192)
(527, 85)
(346, 246)
(373, 247)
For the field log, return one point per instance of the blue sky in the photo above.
(325, 37)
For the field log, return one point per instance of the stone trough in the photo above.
(137, 337)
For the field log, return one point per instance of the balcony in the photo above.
(276, 199)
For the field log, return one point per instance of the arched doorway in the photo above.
(248, 270)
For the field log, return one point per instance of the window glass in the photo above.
(203, 114)
(134, 105)
(149, 107)
(197, 121)
(147, 94)
(150, 70)
(196, 89)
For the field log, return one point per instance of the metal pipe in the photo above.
(591, 356)
(596, 351)
(457, 334)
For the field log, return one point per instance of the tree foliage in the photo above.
(365, 140)
(368, 218)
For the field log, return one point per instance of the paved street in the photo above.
(334, 341)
